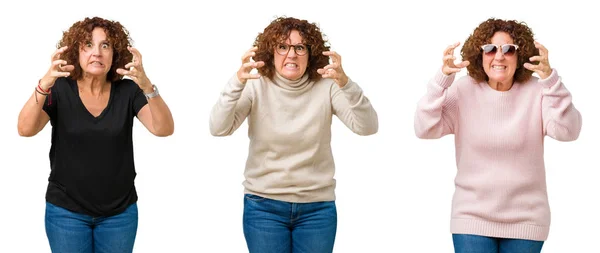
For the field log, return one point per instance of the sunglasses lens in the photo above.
(489, 49)
(509, 49)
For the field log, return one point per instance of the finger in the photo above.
(536, 58)
(124, 72)
(331, 66)
(259, 64)
(328, 73)
(542, 49)
(60, 74)
(132, 65)
(250, 65)
(449, 58)
(58, 63)
(452, 70)
(58, 52)
(335, 57)
(66, 68)
(450, 49)
(250, 53)
(137, 56)
(324, 72)
(250, 76)
(462, 64)
(531, 67)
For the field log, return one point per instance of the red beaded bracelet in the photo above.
(43, 92)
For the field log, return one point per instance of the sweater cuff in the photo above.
(552, 79)
(235, 84)
(444, 80)
(349, 87)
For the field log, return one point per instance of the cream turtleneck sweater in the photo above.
(289, 126)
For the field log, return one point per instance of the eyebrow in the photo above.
(299, 44)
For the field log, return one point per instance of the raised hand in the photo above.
(58, 68)
(543, 68)
(243, 73)
(334, 70)
(135, 71)
(449, 66)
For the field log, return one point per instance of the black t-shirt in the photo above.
(91, 158)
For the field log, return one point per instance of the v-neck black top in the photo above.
(91, 158)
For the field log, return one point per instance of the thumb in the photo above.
(529, 66)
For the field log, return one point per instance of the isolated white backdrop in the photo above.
(394, 190)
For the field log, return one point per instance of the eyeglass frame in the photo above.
(292, 46)
(499, 47)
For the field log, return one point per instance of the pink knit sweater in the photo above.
(499, 138)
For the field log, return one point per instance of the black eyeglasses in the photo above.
(283, 49)
(507, 49)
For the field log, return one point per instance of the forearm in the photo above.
(358, 113)
(162, 119)
(562, 121)
(430, 122)
(29, 123)
(228, 114)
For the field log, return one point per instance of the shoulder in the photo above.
(532, 85)
(465, 81)
(328, 84)
(126, 85)
(260, 84)
(63, 82)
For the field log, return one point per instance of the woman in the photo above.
(289, 201)
(91, 197)
(499, 115)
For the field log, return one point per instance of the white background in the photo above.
(394, 190)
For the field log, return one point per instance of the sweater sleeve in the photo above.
(353, 108)
(231, 109)
(560, 118)
(437, 111)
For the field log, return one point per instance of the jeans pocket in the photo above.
(254, 198)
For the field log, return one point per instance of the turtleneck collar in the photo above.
(291, 84)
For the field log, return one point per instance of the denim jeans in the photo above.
(70, 232)
(272, 226)
(483, 244)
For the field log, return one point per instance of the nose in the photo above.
(96, 50)
(499, 55)
(291, 52)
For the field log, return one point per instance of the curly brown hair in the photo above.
(278, 31)
(518, 31)
(81, 32)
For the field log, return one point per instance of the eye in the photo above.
(283, 47)
(489, 49)
(105, 45)
(88, 44)
(300, 48)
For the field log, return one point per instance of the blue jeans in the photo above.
(71, 232)
(272, 226)
(483, 244)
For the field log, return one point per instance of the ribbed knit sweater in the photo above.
(499, 144)
(289, 126)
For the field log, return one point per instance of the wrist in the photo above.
(44, 84)
(148, 89)
(152, 93)
(546, 74)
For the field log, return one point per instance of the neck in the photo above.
(93, 85)
(500, 86)
(294, 84)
